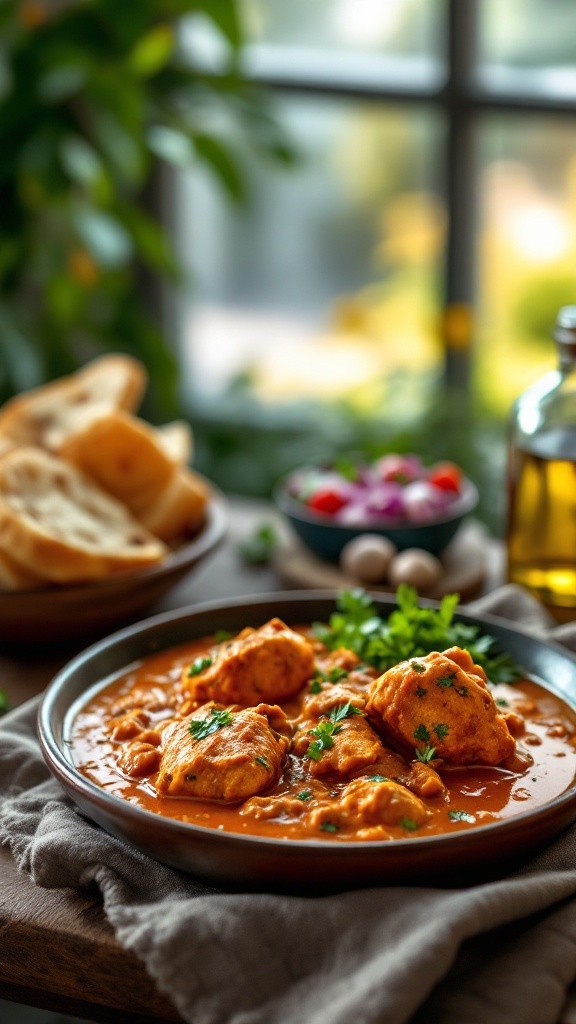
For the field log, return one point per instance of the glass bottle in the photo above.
(541, 533)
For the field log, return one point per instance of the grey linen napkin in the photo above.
(502, 952)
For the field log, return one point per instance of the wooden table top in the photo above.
(53, 941)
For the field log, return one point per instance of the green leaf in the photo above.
(260, 545)
(342, 711)
(219, 157)
(61, 83)
(171, 145)
(153, 51)
(80, 160)
(224, 14)
(200, 728)
(461, 816)
(199, 664)
(107, 240)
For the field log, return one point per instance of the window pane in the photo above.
(528, 45)
(327, 286)
(396, 44)
(401, 27)
(527, 249)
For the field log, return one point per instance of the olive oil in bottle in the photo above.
(541, 537)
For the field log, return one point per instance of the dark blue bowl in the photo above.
(326, 538)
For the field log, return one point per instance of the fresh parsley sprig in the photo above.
(200, 728)
(409, 632)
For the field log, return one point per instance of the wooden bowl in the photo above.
(61, 613)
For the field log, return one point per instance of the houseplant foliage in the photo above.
(93, 93)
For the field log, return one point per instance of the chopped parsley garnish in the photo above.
(315, 686)
(446, 681)
(502, 703)
(410, 632)
(4, 702)
(306, 794)
(409, 824)
(199, 728)
(426, 754)
(199, 664)
(420, 691)
(417, 667)
(421, 733)
(258, 548)
(461, 816)
(328, 826)
(377, 778)
(441, 730)
(342, 711)
(221, 635)
(324, 732)
(335, 674)
(262, 761)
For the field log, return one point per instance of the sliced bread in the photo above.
(62, 526)
(179, 511)
(47, 415)
(124, 456)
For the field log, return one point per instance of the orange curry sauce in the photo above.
(475, 795)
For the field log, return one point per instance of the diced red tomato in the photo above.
(326, 500)
(447, 476)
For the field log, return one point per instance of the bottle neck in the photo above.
(567, 357)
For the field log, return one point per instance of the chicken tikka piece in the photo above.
(224, 753)
(267, 664)
(440, 706)
(333, 736)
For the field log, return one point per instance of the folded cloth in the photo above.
(502, 952)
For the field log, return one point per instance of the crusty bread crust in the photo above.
(124, 456)
(62, 526)
(14, 576)
(177, 441)
(180, 509)
(47, 415)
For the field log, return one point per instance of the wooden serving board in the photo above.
(463, 561)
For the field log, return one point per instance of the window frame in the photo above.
(462, 97)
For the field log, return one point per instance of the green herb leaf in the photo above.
(221, 635)
(306, 794)
(324, 733)
(315, 686)
(417, 667)
(409, 824)
(199, 664)
(421, 733)
(199, 728)
(259, 547)
(328, 826)
(410, 632)
(420, 691)
(4, 702)
(262, 761)
(425, 754)
(335, 674)
(342, 711)
(446, 681)
(461, 816)
(377, 778)
(441, 730)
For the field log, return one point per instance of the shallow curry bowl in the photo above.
(60, 613)
(301, 865)
(326, 537)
